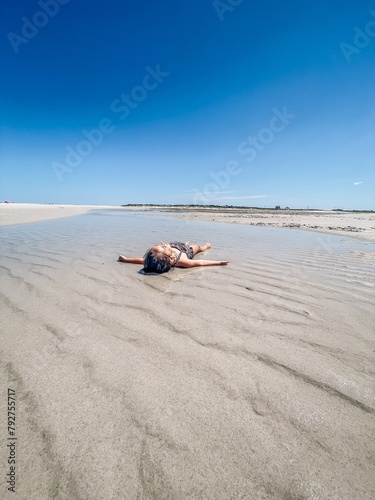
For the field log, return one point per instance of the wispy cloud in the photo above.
(358, 183)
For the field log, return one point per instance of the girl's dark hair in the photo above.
(158, 263)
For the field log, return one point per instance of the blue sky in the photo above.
(224, 102)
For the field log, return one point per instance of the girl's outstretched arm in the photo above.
(130, 260)
(197, 263)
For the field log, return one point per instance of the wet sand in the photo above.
(354, 224)
(252, 381)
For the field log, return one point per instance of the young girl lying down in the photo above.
(160, 258)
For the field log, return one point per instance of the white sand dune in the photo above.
(252, 381)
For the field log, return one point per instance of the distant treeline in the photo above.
(242, 207)
(209, 206)
(357, 211)
(184, 205)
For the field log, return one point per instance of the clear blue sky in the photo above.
(222, 102)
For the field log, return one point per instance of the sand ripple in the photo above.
(254, 381)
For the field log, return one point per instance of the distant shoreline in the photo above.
(358, 224)
(237, 207)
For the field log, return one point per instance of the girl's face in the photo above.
(165, 249)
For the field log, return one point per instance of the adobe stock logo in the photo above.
(255, 143)
(362, 39)
(249, 148)
(30, 28)
(121, 107)
(221, 7)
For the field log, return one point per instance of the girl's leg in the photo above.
(199, 248)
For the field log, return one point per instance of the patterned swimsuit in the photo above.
(183, 249)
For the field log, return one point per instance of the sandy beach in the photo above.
(253, 381)
(22, 213)
(353, 224)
